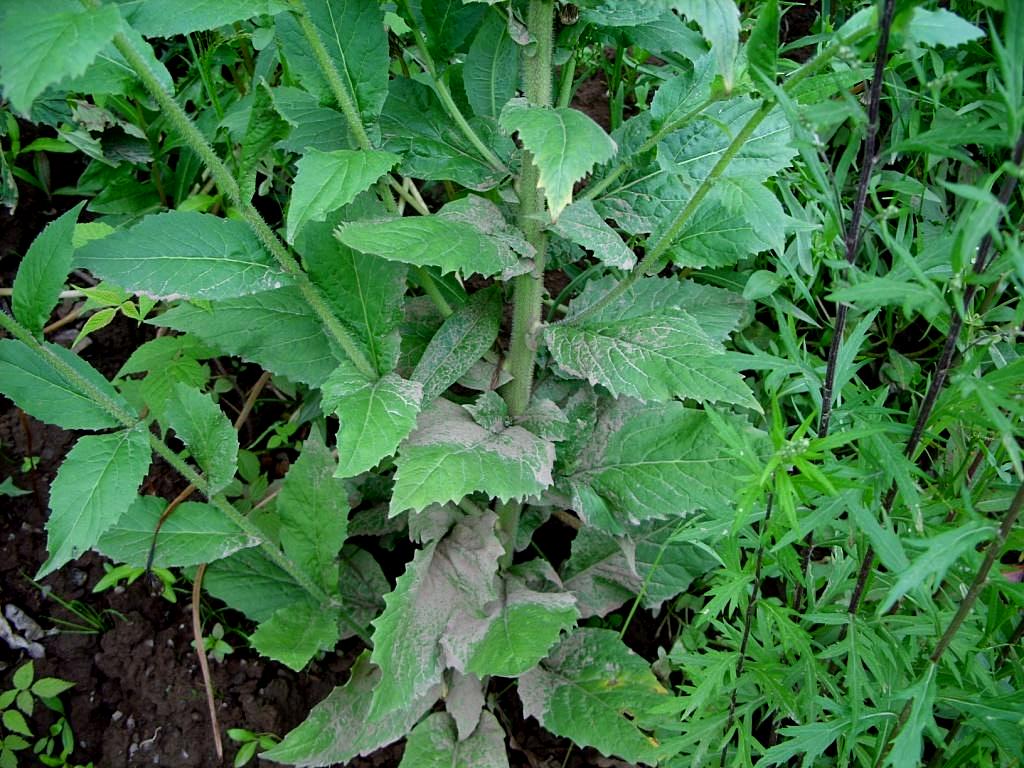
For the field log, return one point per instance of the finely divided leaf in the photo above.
(95, 485)
(295, 634)
(435, 743)
(182, 254)
(43, 270)
(565, 145)
(165, 18)
(202, 426)
(581, 224)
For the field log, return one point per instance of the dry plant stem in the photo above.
(204, 664)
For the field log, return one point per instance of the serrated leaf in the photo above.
(43, 270)
(263, 129)
(111, 74)
(295, 634)
(453, 246)
(28, 378)
(95, 485)
(681, 95)
(165, 18)
(312, 125)
(313, 508)
(435, 743)
(596, 691)
(202, 426)
(339, 728)
(249, 582)
(184, 255)
(43, 43)
(450, 455)
(193, 534)
(491, 72)
(719, 22)
(600, 572)
(763, 44)
(715, 236)
(275, 329)
(940, 27)
(446, 583)
(325, 181)
(580, 223)
(460, 342)
(565, 145)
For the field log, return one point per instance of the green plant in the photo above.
(771, 359)
(130, 574)
(249, 743)
(19, 702)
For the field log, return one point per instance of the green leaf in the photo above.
(435, 743)
(23, 676)
(166, 18)
(940, 27)
(313, 509)
(763, 44)
(448, 24)
(375, 416)
(189, 255)
(715, 236)
(450, 455)
(111, 74)
(621, 13)
(443, 587)
(312, 126)
(594, 690)
(295, 634)
(29, 379)
(249, 582)
(580, 223)
(263, 129)
(680, 96)
(14, 721)
(428, 241)
(719, 21)
(361, 586)
(50, 687)
(8, 488)
(325, 181)
(564, 143)
(460, 342)
(95, 485)
(908, 745)
(193, 534)
(275, 329)
(202, 426)
(43, 43)
(643, 348)
(491, 72)
(340, 727)
(43, 270)
(600, 572)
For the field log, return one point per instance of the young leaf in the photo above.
(29, 379)
(596, 691)
(165, 18)
(265, 127)
(444, 586)
(491, 72)
(193, 534)
(31, 33)
(339, 728)
(43, 270)
(719, 21)
(465, 335)
(202, 426)
(325, 181)
(564, 143)
(581, 224)
(450, 455)
(295, 634)
(177, 254)
(95, 485)
(435, 743)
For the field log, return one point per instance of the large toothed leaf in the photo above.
(202, 426)
(339, 728)
(195, 533)
(636, 347)
(250, 582)
(182, 254)
(596, 691)
(325, 181)
(680, 96)
(719, 21)
(715, 236)
(565, 145)
(295, 634)
(313, 508)
(43, 43)
(42, 271)
(375, 416)
(275, 329)
(453, 246)
(95, 485)
(165, 18)
(450, 455)
(491, 72)
(445, 585)
(583, 225)
(435, 743)
(31, 381)
(465, 335)
(312, 125)
(940, 27)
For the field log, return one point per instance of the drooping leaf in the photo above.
(340, 727)
(445, 584)
(361, 586)
(464, 702)
(719, 21)
(435, 743)
(250, 582)
(596, 691)
(31, 381)
(194, 533)
(166, 18)
(940, 27)
(565, 145)
(488, 219)
(295, 634)
(43, 270)
(325, 181)
(491, 71)
(581, 224)
(465, 335)
(178, 254)
(375, 416)
(43, 43)
(202, 426)
(601, 572)
(95, 485)
(450, 455)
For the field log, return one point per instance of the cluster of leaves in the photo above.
(348, 194)
(19, 703)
